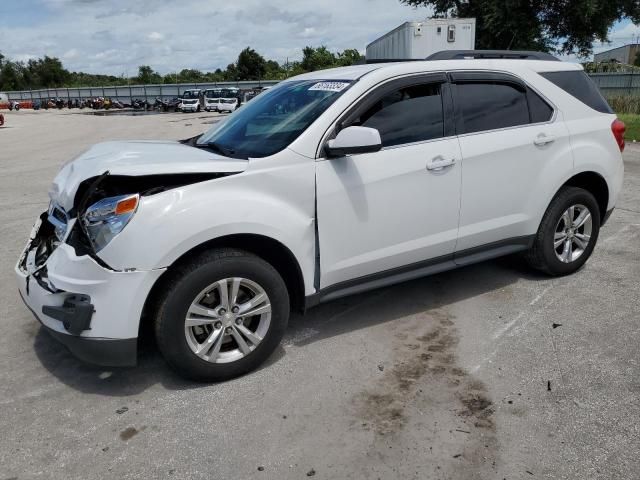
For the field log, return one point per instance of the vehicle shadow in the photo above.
(326, 321)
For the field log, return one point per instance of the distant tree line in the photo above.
(48, 72)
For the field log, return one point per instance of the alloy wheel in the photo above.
(227, 320)
(573, 233)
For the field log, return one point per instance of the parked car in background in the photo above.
(192, 100)
(330, 183)
(221, 99)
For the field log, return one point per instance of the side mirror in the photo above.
(354, 140)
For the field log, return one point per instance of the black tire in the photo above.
(185, 285)
(542, 256)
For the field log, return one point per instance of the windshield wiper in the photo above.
(227, 152)
(191, 140)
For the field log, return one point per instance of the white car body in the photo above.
(220, 104)
(190, 101)
(221, 99)
(345, 220)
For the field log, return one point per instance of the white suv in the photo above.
(329, 184)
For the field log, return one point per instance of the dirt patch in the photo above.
(425, 388)
(128, 433)
(433, 356)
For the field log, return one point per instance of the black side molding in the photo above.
(420, 269)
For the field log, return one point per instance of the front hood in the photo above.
(137, 158)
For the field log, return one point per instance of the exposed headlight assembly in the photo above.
(107, 218)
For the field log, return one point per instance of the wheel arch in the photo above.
(595, 184)
(272, 251)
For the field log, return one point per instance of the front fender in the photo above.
(277, 203)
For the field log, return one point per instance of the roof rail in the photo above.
(391, 60)
(488, 54)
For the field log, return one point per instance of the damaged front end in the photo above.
(47, 235)
(45, 238)
(87, 304)
(102, 207)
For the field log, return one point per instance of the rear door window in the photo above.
(490, 106)
(579, 85)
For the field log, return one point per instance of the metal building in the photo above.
(626, 54)
(418, 40)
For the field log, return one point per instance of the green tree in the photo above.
(231, 73)
(190, 75)
(317, 59)
(565, 26)
(250, 65)
(147, 75)
(47, 72)
(349, 57)
(11, 76)
(274, 71)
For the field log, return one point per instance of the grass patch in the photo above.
(625, 103)
(632, 121)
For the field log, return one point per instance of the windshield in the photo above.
(229, 93)
(212, 93)
(271, 121)
(190, 94)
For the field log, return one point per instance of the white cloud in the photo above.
(114, 37)
(70, 54)
(308, 32)
(155, 36)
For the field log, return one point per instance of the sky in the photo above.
(116, 36)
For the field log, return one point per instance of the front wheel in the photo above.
(567, 234)
(222, 316)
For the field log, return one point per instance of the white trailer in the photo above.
(418, 40)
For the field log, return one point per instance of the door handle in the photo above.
(440, 163)
(542, 140)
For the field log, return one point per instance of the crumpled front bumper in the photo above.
(66, 284)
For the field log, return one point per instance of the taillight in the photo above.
(618, 128)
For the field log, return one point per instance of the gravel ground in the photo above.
(487, 372)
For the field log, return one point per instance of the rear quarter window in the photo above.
(579, 85)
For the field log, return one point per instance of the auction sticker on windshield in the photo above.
(330, 86)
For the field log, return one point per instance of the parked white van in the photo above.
(191, 101)
(221, 99)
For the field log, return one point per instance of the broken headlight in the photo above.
(107, 218)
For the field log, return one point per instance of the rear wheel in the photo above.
(223, 315)
(567, 234)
